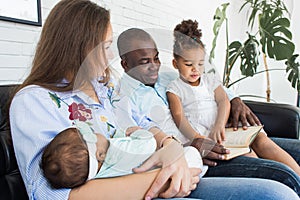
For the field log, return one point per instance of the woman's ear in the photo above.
(174, 62)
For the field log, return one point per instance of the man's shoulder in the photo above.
(168, 75)
(127, 84)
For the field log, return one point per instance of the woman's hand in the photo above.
(174, 172)
(131, 129)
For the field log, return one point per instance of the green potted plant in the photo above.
(271, 39)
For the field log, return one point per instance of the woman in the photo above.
(69, 81)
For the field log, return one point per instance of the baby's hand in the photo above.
(131, 129)
(217, 133)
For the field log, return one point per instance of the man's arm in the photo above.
(240, 112)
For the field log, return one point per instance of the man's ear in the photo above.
(174, 62)
(124, 65)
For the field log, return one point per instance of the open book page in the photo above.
(240, 137)
(234, 152)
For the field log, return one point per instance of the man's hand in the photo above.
(209, 150)
(241, 112)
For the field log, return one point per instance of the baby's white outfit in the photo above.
(126, 153)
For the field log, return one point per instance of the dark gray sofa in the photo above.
(280, 120)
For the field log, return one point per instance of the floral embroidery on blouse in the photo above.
(109, 125)
(77, 111)
(110, 93)
(80, 112)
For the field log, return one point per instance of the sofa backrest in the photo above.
(279, 120)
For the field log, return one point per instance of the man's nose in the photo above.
(154, 66)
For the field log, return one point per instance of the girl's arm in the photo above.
(218, 131)
(179, 118)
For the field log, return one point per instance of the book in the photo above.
(239, 141)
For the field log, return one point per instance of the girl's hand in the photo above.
(217, 134)
(174, 169)
(131, 129)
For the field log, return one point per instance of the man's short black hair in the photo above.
(127, 37)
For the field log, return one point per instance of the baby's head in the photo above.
(65, 160)
(73, 157)
(188, 50)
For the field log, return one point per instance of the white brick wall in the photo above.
(18, 41)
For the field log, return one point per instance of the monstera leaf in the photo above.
(219, 17)
(292, 71)
(248, 53)
(275, 35)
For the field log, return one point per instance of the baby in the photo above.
(76, 155)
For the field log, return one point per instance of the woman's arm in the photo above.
(132, 186)
(218, 131)
(178, 116)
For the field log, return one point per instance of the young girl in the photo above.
(198, 103)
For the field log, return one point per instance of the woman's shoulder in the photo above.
(29, 94)
(36, 91)
(32, 90)
(35, 96)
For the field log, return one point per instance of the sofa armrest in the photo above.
(11, 184)
(279, 120)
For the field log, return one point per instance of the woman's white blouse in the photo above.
(37, 115)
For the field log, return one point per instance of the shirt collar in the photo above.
(79, 95)
(133, 84)
(129, 84)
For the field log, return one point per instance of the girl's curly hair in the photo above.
(186, 36)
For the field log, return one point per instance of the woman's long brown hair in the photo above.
(72, 29)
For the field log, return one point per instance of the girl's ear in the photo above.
(174, 62)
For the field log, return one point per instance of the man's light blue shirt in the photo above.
(138, 102)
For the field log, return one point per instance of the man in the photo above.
(143, 95)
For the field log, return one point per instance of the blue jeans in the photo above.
(292, 146)
(241, 188)
(261, 168)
